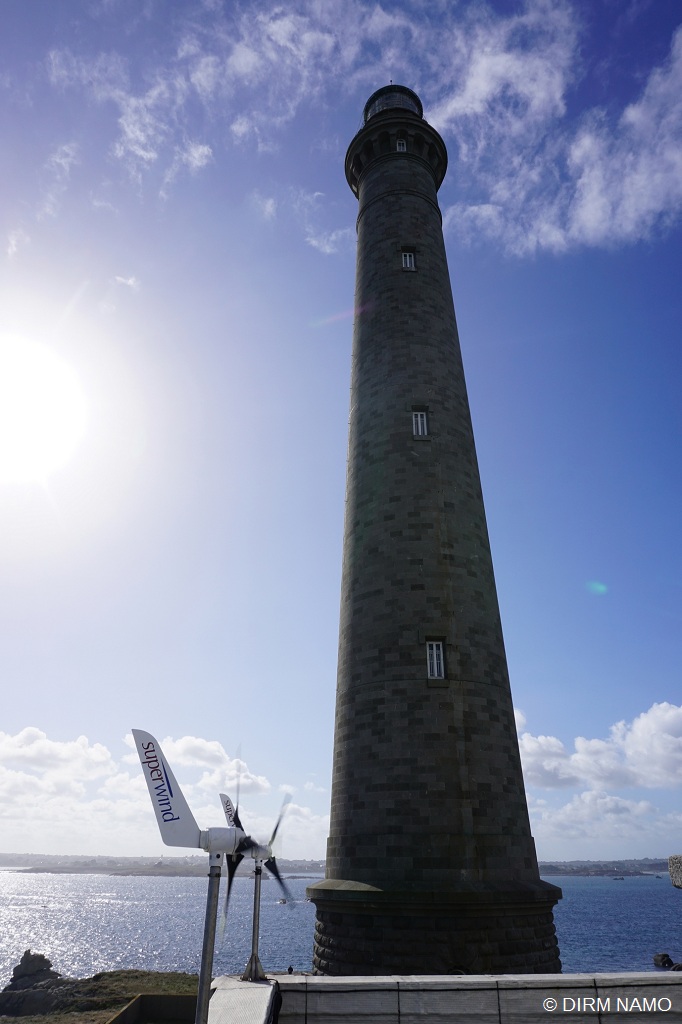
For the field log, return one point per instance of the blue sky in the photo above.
(177, 232)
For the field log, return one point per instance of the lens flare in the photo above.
(335, 318)
(42, 411)
(595, 587)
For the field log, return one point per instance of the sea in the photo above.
(91, 923)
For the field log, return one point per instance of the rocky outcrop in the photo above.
(33, 970)
(665, 961)
(35, 988)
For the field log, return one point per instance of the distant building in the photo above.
(431, 867)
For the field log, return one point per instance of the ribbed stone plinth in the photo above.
(482, 929)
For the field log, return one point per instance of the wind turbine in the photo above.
(178, 827)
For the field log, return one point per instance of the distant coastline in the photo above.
(600, 868)
(195, 866)
(172, 867)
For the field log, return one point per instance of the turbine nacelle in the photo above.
(221, 840)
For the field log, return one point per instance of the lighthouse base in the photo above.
(480, 928)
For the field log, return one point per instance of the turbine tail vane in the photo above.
(176, 822)
(228, 808)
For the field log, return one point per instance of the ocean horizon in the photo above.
(87, 923)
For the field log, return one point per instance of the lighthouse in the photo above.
(431, 865)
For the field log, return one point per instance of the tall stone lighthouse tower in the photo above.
(431, 867)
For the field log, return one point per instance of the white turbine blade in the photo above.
(176, 822)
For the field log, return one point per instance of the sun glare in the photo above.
(42, 411)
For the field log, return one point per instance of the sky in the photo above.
(177, 246)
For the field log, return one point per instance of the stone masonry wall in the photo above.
(431, 761)
(427, 788)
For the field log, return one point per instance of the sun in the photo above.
(42, 411)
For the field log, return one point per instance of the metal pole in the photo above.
(205, 974)
(254, 969)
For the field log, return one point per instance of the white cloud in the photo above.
(532, 174)
(144, 127)
(58, 171)
(646, 752)
(105, 75)
(85, 800)
(196, 155)
(508, 74)
(628, 179)
(546, 763)
(205, 76)
(232, 777)
(193, 751)
(601, 183)
(613, 812)
(128, 282)
(145, 121)
(253, 70)
(302, 832)
(598, 825)
(241, 127)
(520, 720)
(32, 750)
(98, 203)
(63, 159)
(329, 242)
(265, 205)
(74, 797)
(243, 62)
(16, 240)
(307, 209)
(193, 155)
(220, 771)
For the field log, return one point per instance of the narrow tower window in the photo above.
(408, 261)
(420, 423)
(401, 146)
(435, 663)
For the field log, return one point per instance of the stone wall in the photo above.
(616, 998)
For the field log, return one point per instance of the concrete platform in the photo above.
(482, 999)
(242, 1002)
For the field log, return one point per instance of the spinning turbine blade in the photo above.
(176, 822)
(271, 862)
(271, 865)
(233, 863)
(239, 779)
(285, 803)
